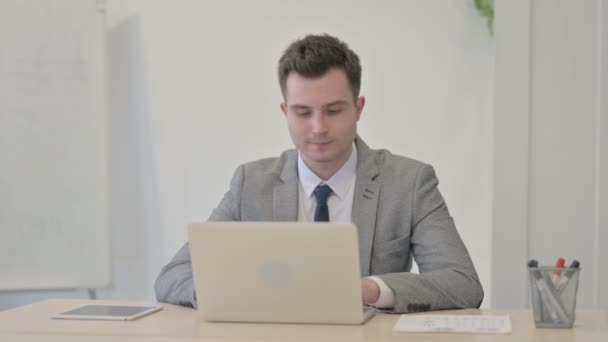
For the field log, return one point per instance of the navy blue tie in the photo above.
(322, 211)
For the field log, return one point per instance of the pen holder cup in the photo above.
(553, 296)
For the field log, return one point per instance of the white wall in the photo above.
(561, 113)
(193, 93)
(511, 135)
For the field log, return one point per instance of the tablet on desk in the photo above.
(107, 312)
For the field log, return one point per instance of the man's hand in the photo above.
(369, 291)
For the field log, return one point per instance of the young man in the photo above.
(334, 176)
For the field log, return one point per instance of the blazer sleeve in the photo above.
(447, 278)
(175, 283)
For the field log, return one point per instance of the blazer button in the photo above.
(418, 307)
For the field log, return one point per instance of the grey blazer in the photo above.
(397, 209)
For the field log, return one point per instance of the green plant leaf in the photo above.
(486, 9)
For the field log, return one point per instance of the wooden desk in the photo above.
(175, 323)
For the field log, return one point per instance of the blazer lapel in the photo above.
(285, 199)
(365, 203)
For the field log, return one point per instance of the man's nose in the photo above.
(319, 124)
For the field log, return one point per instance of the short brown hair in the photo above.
(314, 55)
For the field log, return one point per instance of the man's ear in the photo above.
(359, 104)
(284, 108)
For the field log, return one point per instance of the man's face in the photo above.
(322, 117)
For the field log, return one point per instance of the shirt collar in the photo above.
(339, 183)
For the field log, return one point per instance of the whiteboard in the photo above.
(54, 230)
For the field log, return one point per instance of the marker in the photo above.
(538, 313)
(563, 282)
(556, 275)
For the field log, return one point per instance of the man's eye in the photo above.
(334, 110)
(302, 113)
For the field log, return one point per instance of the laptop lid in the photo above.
(277, 272)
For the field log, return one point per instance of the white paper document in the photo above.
(477, 324)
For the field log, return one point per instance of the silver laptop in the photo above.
(277, 272)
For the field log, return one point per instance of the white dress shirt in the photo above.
(340, 203)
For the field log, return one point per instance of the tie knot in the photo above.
(322, 192)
